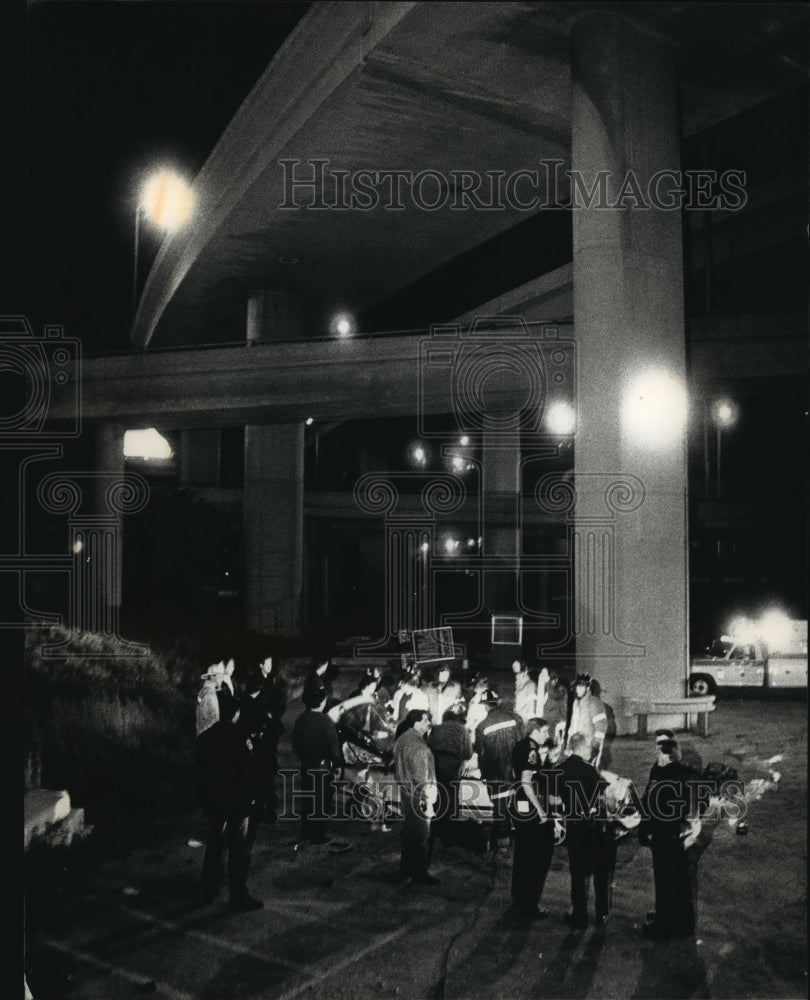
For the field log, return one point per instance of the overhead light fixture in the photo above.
(419, 455)
(342, 325)
(561, 418)
(167, 200)
(149, 444)
(724, 412)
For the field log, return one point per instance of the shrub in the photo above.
(116, 733)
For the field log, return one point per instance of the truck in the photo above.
(746, 658)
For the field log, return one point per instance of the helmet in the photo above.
(583, 679)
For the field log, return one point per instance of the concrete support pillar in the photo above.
(500, 488)
(274, 316)
(274, 491)
(274, 528)
(200, 457)
(630, 614)
(110, 466)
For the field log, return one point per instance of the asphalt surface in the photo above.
(336, 924)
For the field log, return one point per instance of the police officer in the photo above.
(589, 717)
(587, 837)
(269, 687)
(534, 824)
(669, 826)
(495, 739)
(315, 740)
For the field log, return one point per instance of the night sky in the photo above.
(112, 89)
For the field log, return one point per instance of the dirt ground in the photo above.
(336, 925)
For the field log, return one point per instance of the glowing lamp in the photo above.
(167, 200)
(654, 409)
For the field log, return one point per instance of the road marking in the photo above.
(117, 970)
(210, 939)
(334, 968)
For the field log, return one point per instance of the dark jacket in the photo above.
(451, 746)
(527, 756)
(555, 709)
(314, 680)
(315, 740)
(581, 789)
(495, 739)
(226, 769)
(669, 801)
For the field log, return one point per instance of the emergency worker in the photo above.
(452, 747)
(269, 688)
(670, 826)
(316, 743)
(534, 824)
(587, 837)
(495, 739)
(588, 717)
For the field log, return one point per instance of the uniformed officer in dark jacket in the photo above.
(270, 690)
(670, 813)
(495, 739)
(227, 784)
(315, 741)
(532, 818)
(587, 836)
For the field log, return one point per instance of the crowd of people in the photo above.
(540, 762)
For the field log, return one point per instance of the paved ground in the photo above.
(335, 924)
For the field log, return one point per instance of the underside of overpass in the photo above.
(420, 167)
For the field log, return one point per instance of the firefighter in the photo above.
(495, 739)
(589, 717)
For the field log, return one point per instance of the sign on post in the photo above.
(430, 645)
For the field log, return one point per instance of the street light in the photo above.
(166, 201)
(724, 414)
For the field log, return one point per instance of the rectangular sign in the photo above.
(433, 644)
(507, 630)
